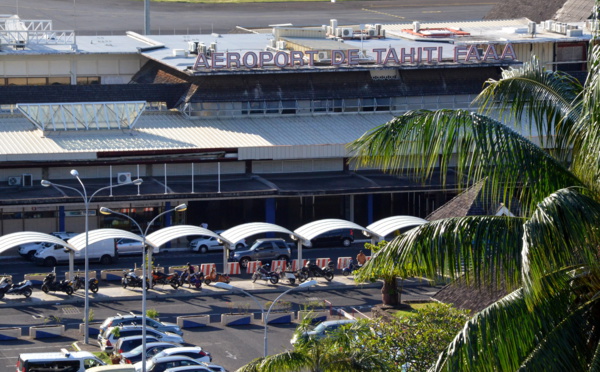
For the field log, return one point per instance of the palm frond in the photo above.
(485, 249)
(563, 232)
(507, 336)
(286, 361)
(477, 146)
(545, 100)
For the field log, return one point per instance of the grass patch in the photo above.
(103, 356)
(413, 309)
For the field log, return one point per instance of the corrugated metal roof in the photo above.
(170, 131)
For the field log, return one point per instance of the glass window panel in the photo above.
(59, 80)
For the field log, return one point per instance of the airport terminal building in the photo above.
(244, 127)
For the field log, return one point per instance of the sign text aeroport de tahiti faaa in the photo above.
(351, 57)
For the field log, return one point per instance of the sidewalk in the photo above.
(114, 292)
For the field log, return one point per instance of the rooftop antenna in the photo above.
(146, 17)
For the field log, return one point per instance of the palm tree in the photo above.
(337, 352)
(549, 255)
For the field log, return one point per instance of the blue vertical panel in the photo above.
(61, 219)
(270, 213)
(370, 209)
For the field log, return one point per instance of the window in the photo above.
(57, 365)
(88, 80)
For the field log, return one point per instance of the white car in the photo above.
(163, 363)
(108, 339)
(204, 244)
(127, 246)
(194, 352)
(199, 368)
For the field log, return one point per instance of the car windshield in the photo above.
(137, 350)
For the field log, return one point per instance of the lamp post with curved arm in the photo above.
(222, 285)
(144, 233)
(86, 201)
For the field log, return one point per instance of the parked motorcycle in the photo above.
(50, 284)
(351, 268)
(79, 282)
(159, 277)
(312, 270)
(290, 276)
(8, 287)
(130, 279)
(265, 274)
(216, 277)
(195, 279)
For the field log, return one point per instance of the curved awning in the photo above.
(239, 232)
(78, 241)
(387, 225)
(167, 234)
(315, 228)
(12, 240)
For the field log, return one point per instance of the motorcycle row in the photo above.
(309, 271)
(175, 280)
(50, 284)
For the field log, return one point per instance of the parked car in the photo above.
(126, 344)
(133, 319)
(152, 348)
(198, 368)
(108, 338)
(194, 352)
(127, 246)
(343, 237)
(203, 244)
(263, 250)
(322, 330)
(29, 250)
(64, 235)
(103, 251)
(64, 360)
(157, 364)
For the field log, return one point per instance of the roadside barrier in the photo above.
(233, 268)
(47, 331)
(322, 262)
(295, 264)
(207, 268)
(252, 266)
(343, 262)
(277, 265)
(193, 321)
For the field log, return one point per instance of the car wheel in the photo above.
(30, 255)
(328, 275)
(26, 292)
(244, 262)
(50, 261)
(69, 291)
(45, 288)
(346, 242)
(105, 260)
(203, 249)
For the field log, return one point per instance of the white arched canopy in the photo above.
(388, 225)
(12, 240)
(239, 232)
(78, 241)
(167, 234)
(316, 228)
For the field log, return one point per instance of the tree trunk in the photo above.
(390, 296)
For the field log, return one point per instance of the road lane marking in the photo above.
(382, 13)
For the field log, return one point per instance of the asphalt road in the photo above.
(118, 16)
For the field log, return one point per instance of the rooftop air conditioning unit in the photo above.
(347, 32)
(14, 181)
(322, 56)
(193, 47)
(372, 32)
(124, 177)
(202, 48)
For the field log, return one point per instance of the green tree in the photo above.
(391, 292)
(549, 254)
(335, 353)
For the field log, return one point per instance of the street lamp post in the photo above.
(86, 202)
(222, 285)
(144, 233)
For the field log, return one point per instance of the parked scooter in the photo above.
(195, 279)
(8, 287)
(50, 284)
(312, 270)
(130, 279)
(351, 268)
(265, 274)
(79, 282)
(159, 277)
(290, 276)
(216, 277)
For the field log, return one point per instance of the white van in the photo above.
(113, 368)
(64, 361)
(104, 251)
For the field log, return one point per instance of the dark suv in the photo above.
(343, 237)
(263, 250)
